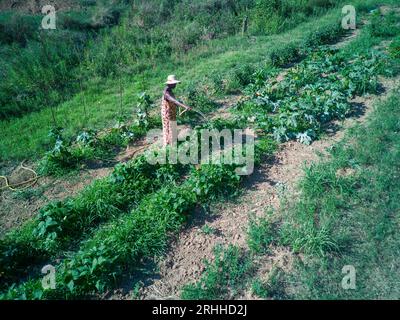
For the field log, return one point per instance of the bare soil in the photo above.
(17, 207)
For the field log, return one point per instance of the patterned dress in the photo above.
(168, 116)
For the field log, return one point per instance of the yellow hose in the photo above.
(13, 187)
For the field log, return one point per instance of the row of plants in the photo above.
(61, 225)
(121, 245)
(97, 145)
(328, 72)
(312, 93)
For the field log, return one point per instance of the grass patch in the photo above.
(351, 201)
(28, 136)
(223, 278)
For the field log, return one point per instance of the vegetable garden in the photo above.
(110, 228)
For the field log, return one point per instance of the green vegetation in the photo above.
(222, 278)
(105, 77)
(272, 287)
(261, 234)
(60, 225)
(314, 92)
(346, 211)
(351, 201)
(40, 67)
(116, 223)
(103, 259)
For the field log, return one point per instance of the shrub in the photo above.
(384, 26)
(40, 75)
(238, 77)
(18, 29)
(198, 99)
(283, 56)
(325, 35)
(260, 234)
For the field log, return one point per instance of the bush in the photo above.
(238, 77)
(325, 35)
(384, 26)
(18, 29)
(198, 99)
(283, 56)
(275, 16)
(40, 75)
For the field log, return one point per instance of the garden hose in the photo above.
(13, 187)
(198, 112)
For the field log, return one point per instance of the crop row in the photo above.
(311, 94)
(103, 259)
(61, 225)
(120, 246)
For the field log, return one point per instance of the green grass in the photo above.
(354, 198)
(261, 234)
(330, 191)
(222, 278)
(27, 137)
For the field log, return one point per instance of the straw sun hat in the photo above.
(172, 80)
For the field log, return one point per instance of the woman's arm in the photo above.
(173, 100)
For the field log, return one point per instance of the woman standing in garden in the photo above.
(168, 110)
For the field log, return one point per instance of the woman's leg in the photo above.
(166, 126)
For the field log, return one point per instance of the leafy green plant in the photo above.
(283, 56)
(261, 234)
(394, 48)
(206, 229)
(142, 110)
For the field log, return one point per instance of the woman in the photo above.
(168, 110)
